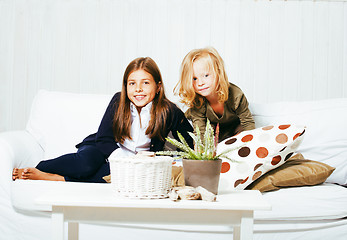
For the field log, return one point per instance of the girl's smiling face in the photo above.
(204, 80)
(141, 88)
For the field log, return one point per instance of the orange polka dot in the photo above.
(262, 152)
(276, 160)
(244, 180)
(225, 167)
(267, 128)
(247, 138)
(296, 136)
(173, 162)
(281, 138)
(283, 127)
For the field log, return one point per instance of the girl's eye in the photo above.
(194, 78)
(131, 83)
(206, 75)
(146, 82)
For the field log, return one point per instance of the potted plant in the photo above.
(201, 165)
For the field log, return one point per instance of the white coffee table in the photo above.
(99, 205)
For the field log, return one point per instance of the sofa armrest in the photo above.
(17, 149)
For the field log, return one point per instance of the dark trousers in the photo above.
(87, 165)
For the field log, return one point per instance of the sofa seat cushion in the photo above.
(290, 203)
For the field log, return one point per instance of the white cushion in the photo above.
(326, 133)
(60, 120)
(257, 152)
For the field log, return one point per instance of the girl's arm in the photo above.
(104, 137)
(244, 114)
(198, 118)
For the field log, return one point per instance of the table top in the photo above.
(101, 195)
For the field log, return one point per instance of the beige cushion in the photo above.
(295, 172)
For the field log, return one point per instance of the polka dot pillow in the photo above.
(257, 152)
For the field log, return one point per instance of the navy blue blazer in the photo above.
(104, 139)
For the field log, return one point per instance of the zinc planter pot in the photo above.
(204, 173)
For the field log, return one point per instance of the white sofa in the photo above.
(60, 120)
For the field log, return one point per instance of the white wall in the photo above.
(274, 50)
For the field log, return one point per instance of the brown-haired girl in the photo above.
(205, 88)
(139, 118)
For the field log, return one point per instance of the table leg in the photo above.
(72, 231)
(236, 233)
(246, 227)
(57, 223)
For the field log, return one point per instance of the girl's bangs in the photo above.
(208, 62)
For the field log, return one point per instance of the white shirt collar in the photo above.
(145, 110)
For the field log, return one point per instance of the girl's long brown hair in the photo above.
(160, 107)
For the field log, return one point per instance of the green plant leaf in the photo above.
(178, 154)
(204, 149)
(176, 144)
(196, 147)
(198, 143)
(209, 145)
(187, 148)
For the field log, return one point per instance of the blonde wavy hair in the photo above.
(184, 87)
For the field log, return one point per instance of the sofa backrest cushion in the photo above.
(60, 120)
(326, 132)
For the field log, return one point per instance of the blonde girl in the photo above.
(205, 89)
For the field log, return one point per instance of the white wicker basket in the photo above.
(140, 176)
